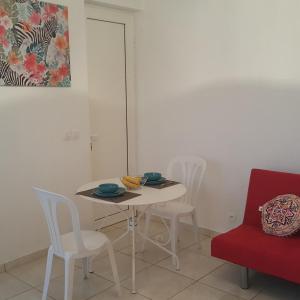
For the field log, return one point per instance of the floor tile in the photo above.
(278, 289)
(204, 247)
(227, 278)
(30, 295)
(199, 291)
(158, 283)
(33, 273)
(186, 236)
(192, 263)
(82, 288)
(155, 227)
(117, 232)
(111, 294)
(103, 267)
(10, 286)
(152, 254)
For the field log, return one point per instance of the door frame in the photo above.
(126, 18)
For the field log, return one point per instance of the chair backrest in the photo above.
(189, 170)
(265, 185)
(49, 202)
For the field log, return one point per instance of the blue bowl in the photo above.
(108, 188)
(153, 176)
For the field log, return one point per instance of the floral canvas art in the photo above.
(34, 44)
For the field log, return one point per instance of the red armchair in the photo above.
(248, 246)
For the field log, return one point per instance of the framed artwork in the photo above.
(34, 44)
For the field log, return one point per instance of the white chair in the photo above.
(189, 170)
(73, 245)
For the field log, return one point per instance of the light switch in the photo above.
(68, 135)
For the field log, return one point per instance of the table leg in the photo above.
(132, 225)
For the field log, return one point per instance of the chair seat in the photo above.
(92, 240)
(249, 246)
(172, 208)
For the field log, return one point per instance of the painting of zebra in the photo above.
(34, 44)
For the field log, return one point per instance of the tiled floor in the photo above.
(201, 277)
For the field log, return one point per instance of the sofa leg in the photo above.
(244, 278)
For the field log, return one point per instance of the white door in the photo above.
(108, 107)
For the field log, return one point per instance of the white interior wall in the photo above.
(33, 152)
(134, 5)
(219, 79)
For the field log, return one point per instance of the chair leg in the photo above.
(195, 227)
(114, 266)
(146, 230)
(69, 277)
(90, 264)
(85, 263)
(48, 273)
(174, 234)
(244, 278)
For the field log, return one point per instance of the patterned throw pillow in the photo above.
(281, 215)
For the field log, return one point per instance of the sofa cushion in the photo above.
(265, 185)
(281, 215)
(249, 246)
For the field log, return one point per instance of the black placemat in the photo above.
(163, 185)
(118, 199)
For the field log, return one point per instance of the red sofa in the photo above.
(248, 246)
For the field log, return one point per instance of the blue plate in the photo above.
(156, 182)
(119, 192)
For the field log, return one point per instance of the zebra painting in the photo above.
(38, 35)
(34, 44)
(12, 78)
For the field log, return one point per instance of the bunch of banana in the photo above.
(131, 182)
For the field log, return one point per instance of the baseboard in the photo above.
(41, 253)
(23, 260)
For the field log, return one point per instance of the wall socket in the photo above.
(232, 218)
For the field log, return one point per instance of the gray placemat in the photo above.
(126, 196)
(163, 185)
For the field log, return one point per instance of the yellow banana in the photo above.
(134, 180)
(129, 184)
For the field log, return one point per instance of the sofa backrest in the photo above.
(265, 185)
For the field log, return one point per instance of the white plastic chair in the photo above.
(189, 170)
(73, 245)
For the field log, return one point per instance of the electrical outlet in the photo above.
(232, 218)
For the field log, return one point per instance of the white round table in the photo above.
(147, 196)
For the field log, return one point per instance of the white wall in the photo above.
(121, 4)
(33, 152)
(220, 79)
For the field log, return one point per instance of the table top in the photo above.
(147, 196)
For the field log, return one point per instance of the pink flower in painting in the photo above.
(41, 68)
(66, 35)
(2, 12)
(55, 77)
(35, 18)
(30, 63)
(61, 43)
(2, 31)
(63, 71)
(13, 58)
(6, 22)
(50, 10)
(66, 13)
(4, 43)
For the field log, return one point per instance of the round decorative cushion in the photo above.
(281, 215)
